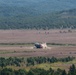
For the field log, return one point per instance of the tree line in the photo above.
(39, 60)
(10, 61)
(62, 19)
(38, 71)
(15, 61)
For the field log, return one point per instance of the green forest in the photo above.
(37, 14)
(4, 62)
(38, 71)
(60, 20)
(15, 61)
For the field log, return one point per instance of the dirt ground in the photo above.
(56, 51)
(32, 36)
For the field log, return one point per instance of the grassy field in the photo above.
(47, 66)
(32, 36)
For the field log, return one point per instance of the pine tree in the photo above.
(64, 72)
(72, 70)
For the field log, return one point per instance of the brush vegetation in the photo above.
(42, 66)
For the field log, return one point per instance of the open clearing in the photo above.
(32, 36)
(57, 51)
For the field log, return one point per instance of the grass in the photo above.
(47, 66)
(72, 62)
(54, 66)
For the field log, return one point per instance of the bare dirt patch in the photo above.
(28, 52)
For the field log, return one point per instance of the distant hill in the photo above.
(34, 7)
(38, 14)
